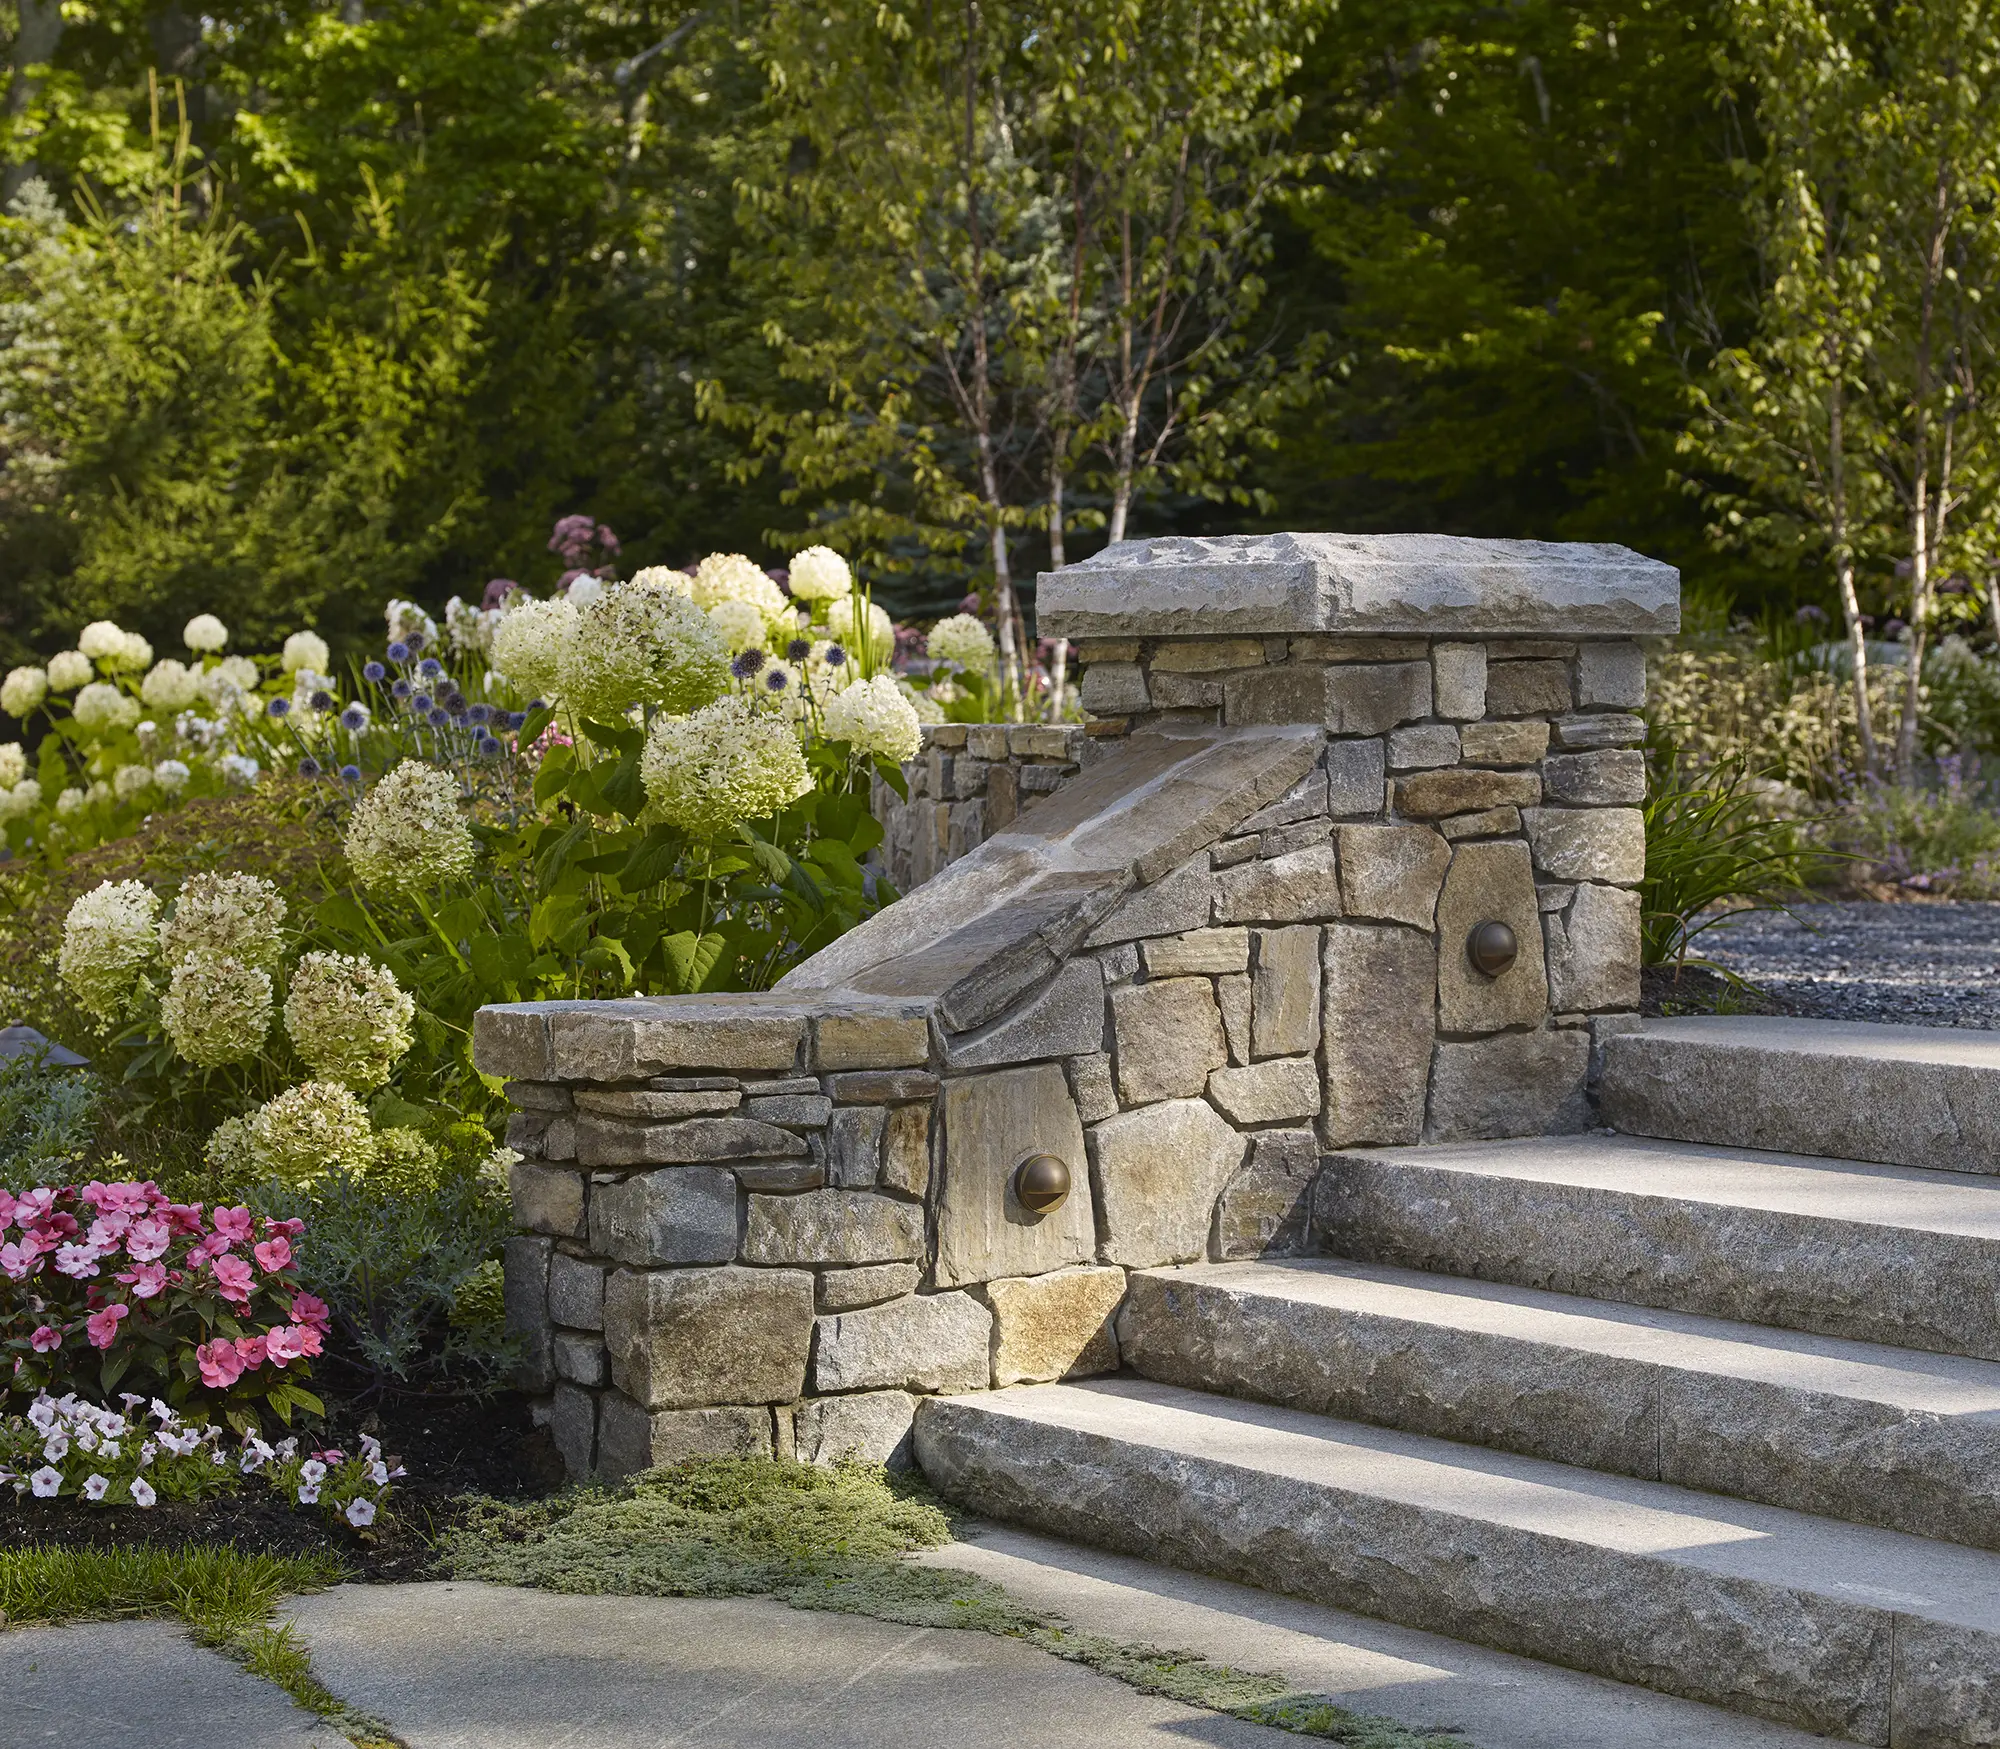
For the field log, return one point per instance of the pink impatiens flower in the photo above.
(252, 1350)
(310, 1309)
(46, 1340)
(233, 1225)
(232, 1279)
(274, 1254)
(19, 1261)
(102, 1327)
(78, 1261)
(221, 1366)
(146, 1240)
(145, 1281)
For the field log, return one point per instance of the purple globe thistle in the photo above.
(536, 704)
(354, 717)
(430, 667)
(308, 767)
(440, 719)
(279, 707)
(747, 664)
(515, 719)
(401, 689)
(416, 641)
(797, 650)
(777, 680)
(489, 748)
(322, 700)
(399, 653)
(479, 713)
(350, 774)
(836, 657)
(373, 672)
(421, 704)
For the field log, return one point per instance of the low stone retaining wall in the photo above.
(1230, 936)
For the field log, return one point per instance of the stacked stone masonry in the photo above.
(1194, 949)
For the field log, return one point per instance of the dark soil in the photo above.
(1669, 990)
(452, 1447)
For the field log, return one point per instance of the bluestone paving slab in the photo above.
(1423, 1680)
(1842, 1629)
(1851, 1430)
(141, 1685)
(1905, 1095)
(453, 1665)
(1885, 1254)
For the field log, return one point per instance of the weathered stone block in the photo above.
(1381, 1017)
(1593, 950)
(525, 1299)
(1615, 777)
(687, 1338)
(525, 1130)
(1176, 902)
(547, 1199)
(1266, 1211)
(1168, 1036)
(1519, 742)
(854, 1146)
(511, 1040)
(631, 1439)
(1290, 694)
(889, 1087)
(1459, 679)
(1058, 1326)
(626, 1041)
(992, 1122)
(799, 1111)
(928, 1342)
(1392, 873)
(1489, 823)
(1207, 655)
(779, 1175)
(1303, 801)
(576, 1292)
(1373, 698)
(1336, 649)
(1283, 840)
(1285, 994)
(1513, 1084)
(1588, 844)
(1423, 747)
(1184, 691)
(1090, 1085)
(1201, 953)
(679, 1214)
(573, 1427)
(1064, 1018)
(1519, 689)
(986, 740)
(1489, 881)
(869, 1284)
(1157, 1173)
(603, 1141)
(541, 1096)
(1114, 689)
(1356, 772)
(1428, 795)
(906, 1151)
(873, 1426)
(1607, 730)
(1611, 674)
(1233, 997)
(1268, 1092)
(832, 1226)
(559, 1139)
(1301, 887)
(578, 1358)
(644, 1104)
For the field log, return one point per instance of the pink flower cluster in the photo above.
(110, 1262)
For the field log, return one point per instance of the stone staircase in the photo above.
(1658, 1405)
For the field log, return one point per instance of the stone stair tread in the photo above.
(1934, 1581)
(1959, 1046)
(1855, 1191)
(1911, 1380)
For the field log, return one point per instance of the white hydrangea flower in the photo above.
(13, 763)
(101, 709)
(841, 620)
(134, 653)
(205, 634)
(129, 782)
(239, 768)
(228, 1152)
(963, 640)
(171, 686)
(70, 801)
(99, 792)
(305, 650)
(407, 834)
(406, 620)
(820, 574)
(585, 589)
(639, 645)
(310, 1130)
(732, 577)
(172, 775)
(21, 800)
(107, 944)
(651, 577)
(309, 684)
(102, 640)
(216, 1010)
(240, 671)
(874, 718)
(741, 625)
(69, 669)
(23, 689)
(226, 916)
(348, 1018)
(927, 708)
(725, 764)
(528, 645)
(470, 628)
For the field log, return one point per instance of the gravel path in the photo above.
(1915, 964)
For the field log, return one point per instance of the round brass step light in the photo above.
(1041, 1183)
(1491, 947)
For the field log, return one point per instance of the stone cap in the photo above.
(1358, 585)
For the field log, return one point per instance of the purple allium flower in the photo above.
(440, 719)
(777, 679)
(480, 712)
(497, 591)
(354, 717)
(421, 704)
(489, 748)
(373, 672)
(416, 642)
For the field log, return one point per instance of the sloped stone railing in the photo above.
(1231, 937)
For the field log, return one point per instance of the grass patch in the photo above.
(837, 1540)
(224, 1596)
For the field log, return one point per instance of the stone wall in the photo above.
(1229, 939)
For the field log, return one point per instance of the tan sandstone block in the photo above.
(1055, 1326)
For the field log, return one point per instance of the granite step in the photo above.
(1888, 1254)
(1847, 1630)
(1851, 1430)
(1902, 1095)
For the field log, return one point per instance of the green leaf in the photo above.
(692, 957)
(622, 788)
(619, 738)
(653, 859)
(606, 953)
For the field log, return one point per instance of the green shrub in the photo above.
(1944, 842)
(47, 1116)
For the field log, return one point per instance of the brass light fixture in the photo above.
(1041, 1183)
(1491, 947)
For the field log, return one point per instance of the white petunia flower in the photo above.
(305, 650)
(205, 634)
(407, 835)
(874, 718)
(725, 764)
(23, 689)
(348, 1018)
(820, 574)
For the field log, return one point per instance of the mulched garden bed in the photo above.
(451, 1446)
